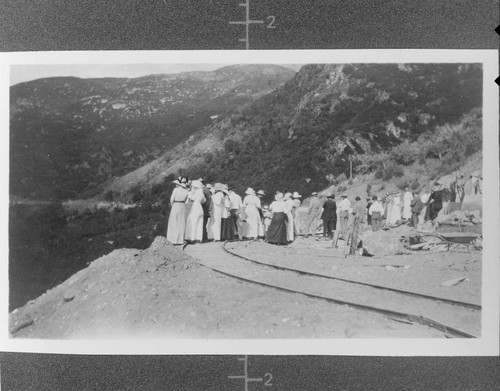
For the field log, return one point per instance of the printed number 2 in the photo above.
(271, 24)
(268, 378)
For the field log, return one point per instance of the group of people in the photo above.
(201, 213)
(392, 209)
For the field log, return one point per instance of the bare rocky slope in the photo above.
(303, 135)
(68, 135)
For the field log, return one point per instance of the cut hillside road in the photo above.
(162, 292)
(451, 317)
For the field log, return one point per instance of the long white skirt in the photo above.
(214, 223)
(194, 223)
(250, 229)
(176, 223)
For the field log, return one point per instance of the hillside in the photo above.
(68, 135)
(302, 135)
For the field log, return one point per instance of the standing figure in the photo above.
(295, 212)
(387, 207)
(251, 206)
(424, 215)
(262, 228)
(206, 206)
(236, 205)
(217, 210)
(407, 197)
(369, 203)
(435, 203)
(268, 215)
(276, 233)
(194, 221)
(289, 214)
(343, 209)
(313, 214)
(329, 216)
(416, 208)
(446, 197)
(177, 218)
(376, 212)
(395, 209)
(358, 212)
(228, 227)
(460, 188)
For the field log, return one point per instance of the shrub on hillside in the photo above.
(341, 178)
(402, 183)
(405, 153)
(392, 170)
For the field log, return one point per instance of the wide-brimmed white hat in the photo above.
(196, 184)
(177, 183)
(261, 192)
(250, 191)
(296, 195)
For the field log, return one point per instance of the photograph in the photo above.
(317, 199)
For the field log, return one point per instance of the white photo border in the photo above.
(486, 345)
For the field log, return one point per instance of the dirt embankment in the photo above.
(163, 293)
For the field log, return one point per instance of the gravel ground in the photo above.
(163, 293)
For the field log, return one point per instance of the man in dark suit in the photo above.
(329, 216)
(206, 208)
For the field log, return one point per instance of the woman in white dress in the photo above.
(296, 203)
(194, 221)
(396, 209)
(407, 198)
(218, 208)
(251, 206)
(177, 217)
(289, 223)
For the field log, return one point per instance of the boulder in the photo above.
(382, 242)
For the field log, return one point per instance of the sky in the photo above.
(22, 73)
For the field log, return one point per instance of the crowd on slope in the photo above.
(201, 213)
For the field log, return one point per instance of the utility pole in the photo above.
(350, 166)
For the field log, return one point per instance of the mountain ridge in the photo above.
(69, 134)
(326, 114)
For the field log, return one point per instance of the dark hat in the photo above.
(374, 198)
(358, 198)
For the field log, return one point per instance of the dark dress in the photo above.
(276, 233)
(228, 230)
(435, 206)
(206, 212)
(368, 216)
